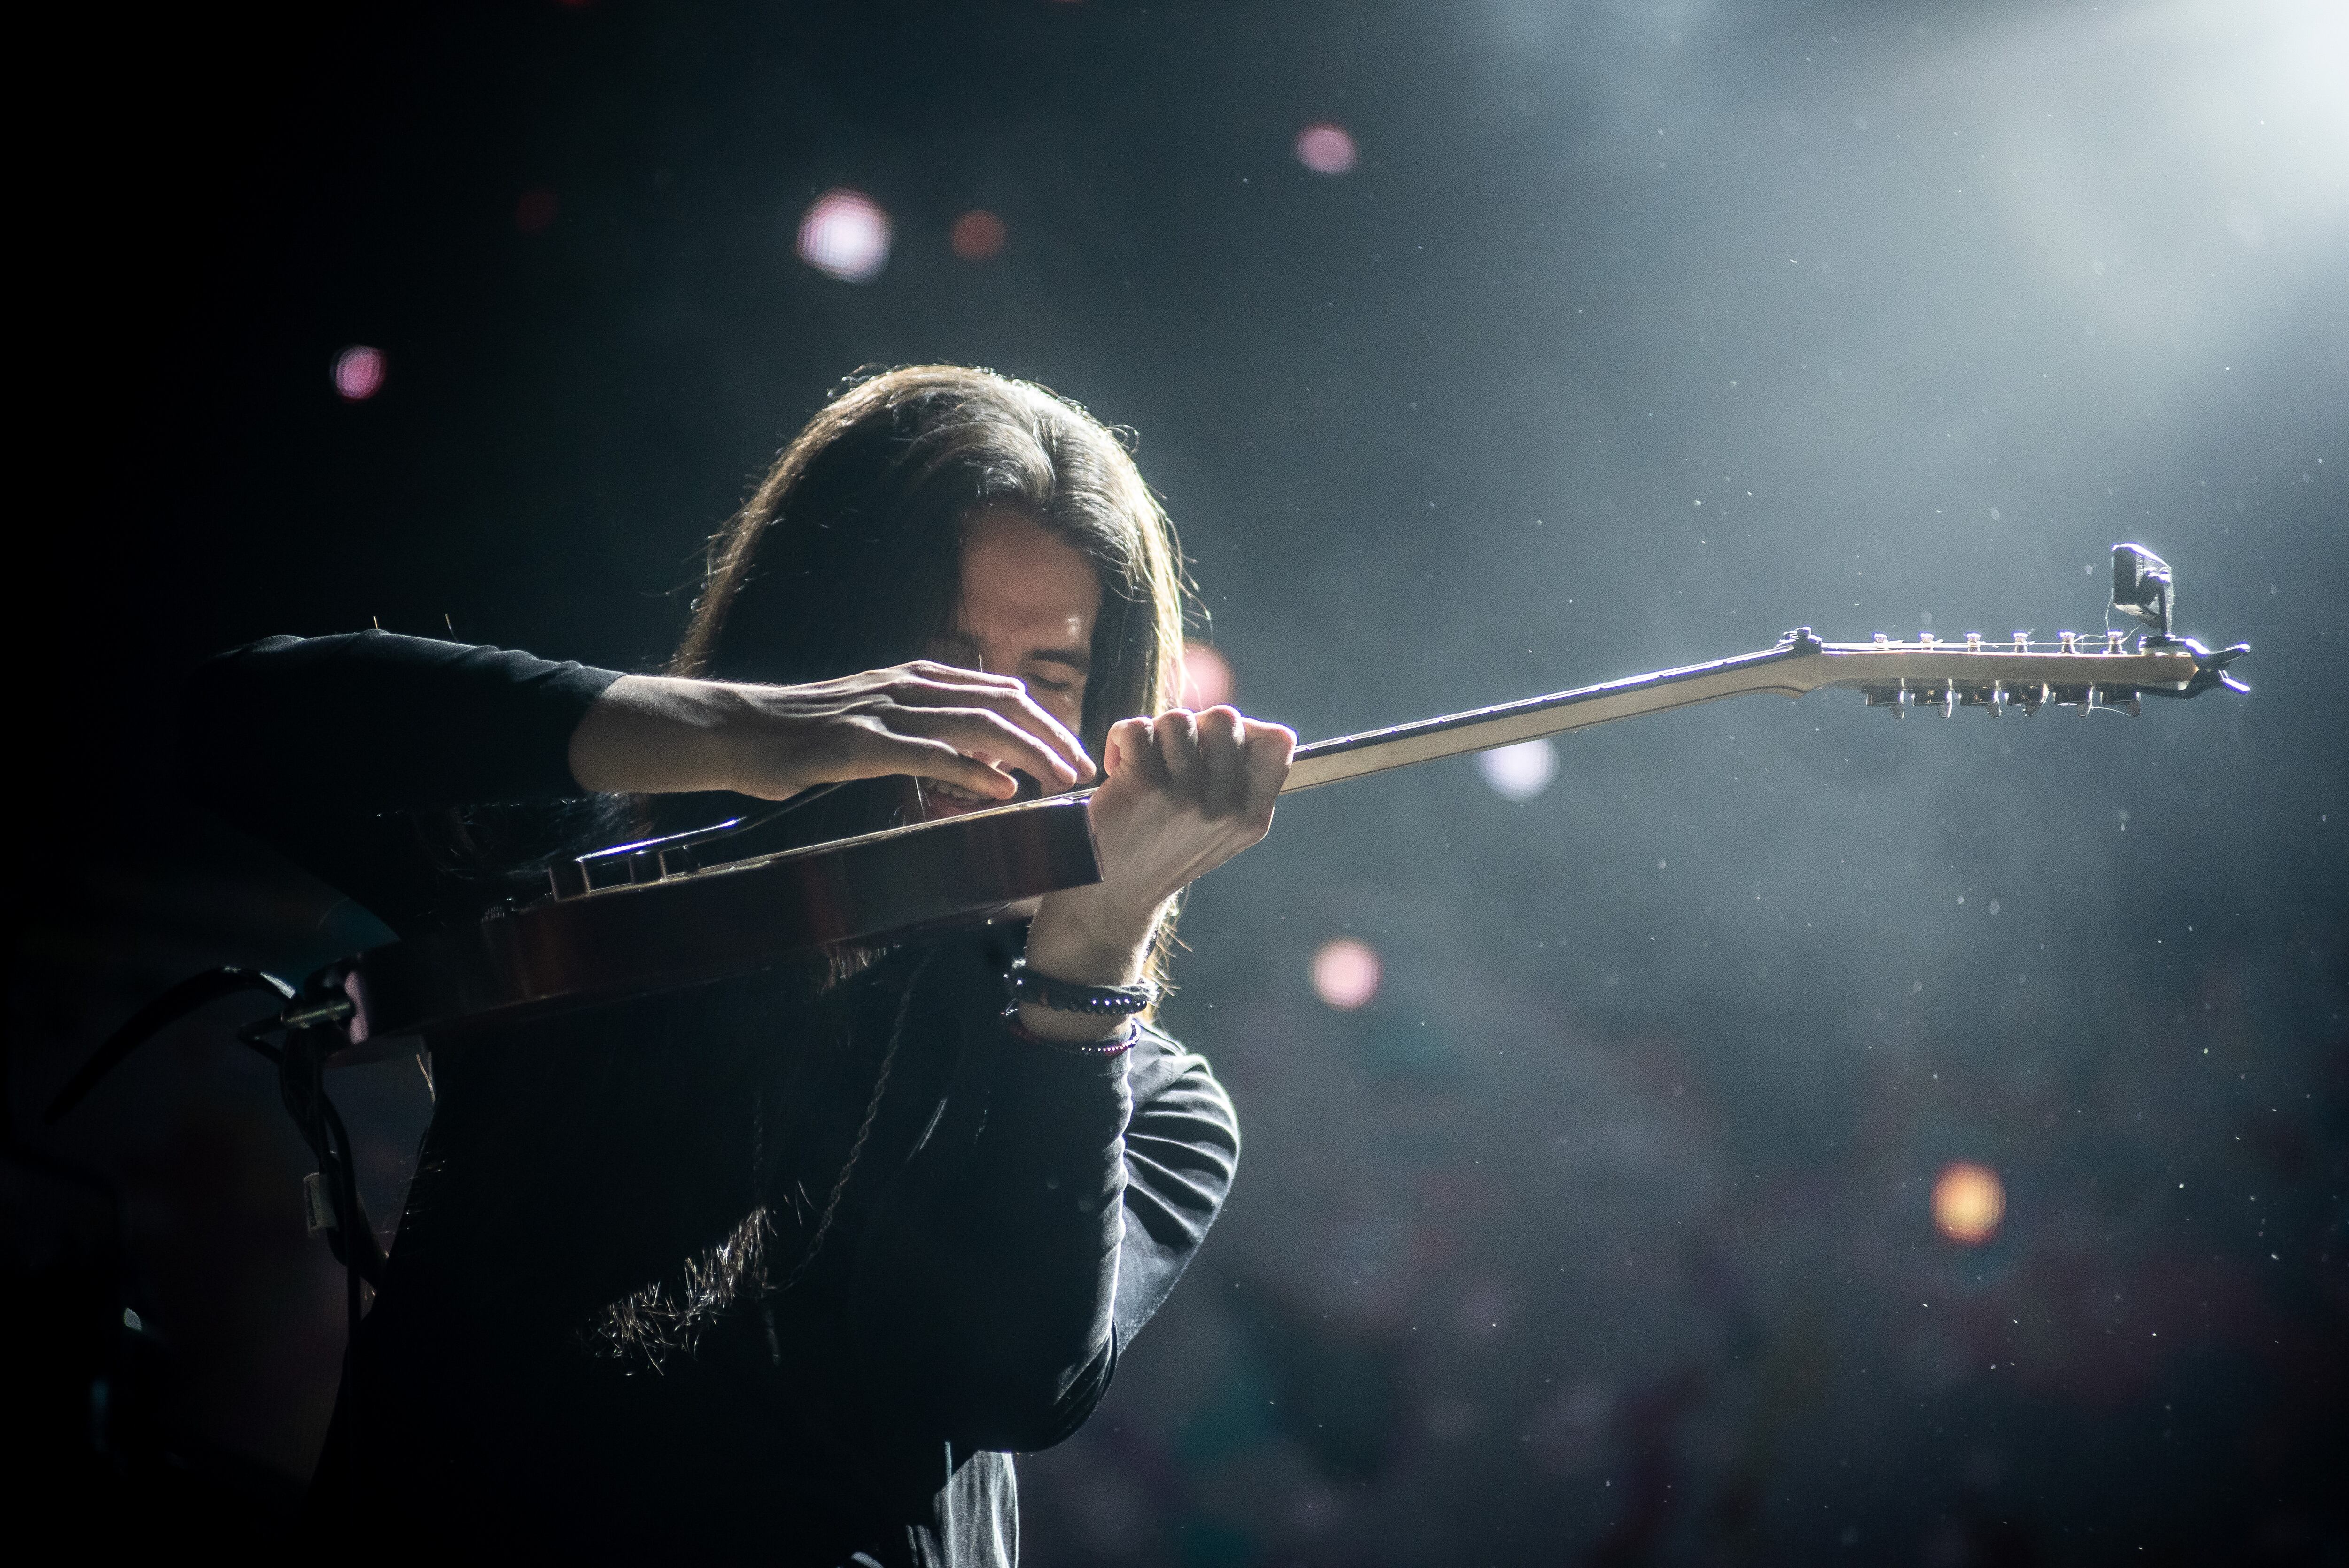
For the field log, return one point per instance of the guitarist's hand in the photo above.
(659, 735)
(1186, 792)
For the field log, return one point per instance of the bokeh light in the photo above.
(1207, 676)
(977, 236)
(1968, 1202)
(535, 213)
(1326, 150)
(358, 372)
(1519, 772)
(844, 235)
(1345, 973)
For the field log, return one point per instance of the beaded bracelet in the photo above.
(1062, 996)
(1116, 1045)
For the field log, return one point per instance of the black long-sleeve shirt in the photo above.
(580, 1341)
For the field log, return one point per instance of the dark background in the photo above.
(1640, 332)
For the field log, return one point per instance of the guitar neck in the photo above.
(1788, 669)
(2086, 674)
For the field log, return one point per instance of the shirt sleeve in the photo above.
(1041, 1224)
(1182, 1146)
(383, 722)
(321, 747)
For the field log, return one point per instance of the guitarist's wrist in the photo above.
(1088, 937)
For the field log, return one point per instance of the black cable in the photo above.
(196, 990)
(301, 1084)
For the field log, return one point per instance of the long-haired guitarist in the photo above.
(786, 1266)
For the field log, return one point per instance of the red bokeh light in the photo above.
(535, 211)
(977, 236)
(358, 372)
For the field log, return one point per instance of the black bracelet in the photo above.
(1061, 996)
(1117, 1045)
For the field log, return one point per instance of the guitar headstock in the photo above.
(2084, 671)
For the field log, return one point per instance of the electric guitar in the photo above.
(672, 913)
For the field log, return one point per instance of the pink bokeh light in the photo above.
(844, 235)
(358, 372)
(1327, 148)
(1345, 973)
(1207, 676)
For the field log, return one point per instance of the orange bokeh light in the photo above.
(1968, 1202)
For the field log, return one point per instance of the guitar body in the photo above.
(729, 920)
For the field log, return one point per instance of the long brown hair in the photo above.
(848, 555)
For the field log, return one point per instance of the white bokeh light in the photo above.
(1326, 150)
(844, 235)
(1345, 973)
(1519, 772)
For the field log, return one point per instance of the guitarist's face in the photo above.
(1027, 606)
